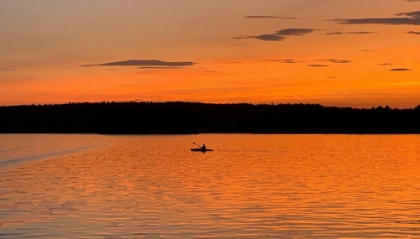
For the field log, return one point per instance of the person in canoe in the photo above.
(201, 148)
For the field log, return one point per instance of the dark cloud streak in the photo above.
(411, 18)
(400, 69)
(340, 61)
(144, 63)
(294, 31)
(337, 61)
(279, 35)
(413, 32)
(270, 37)
(349, 33)
(243, 37)
(159, 67)
(286, 61)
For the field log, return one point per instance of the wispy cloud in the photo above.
(270, 17)
(400, 69)
(263, 37)
(338, 61)
(295, 31)
(159, 67)
(292, 61)
(408, 18)
(286, 61)
(349, 33)
(318, 65)
(413, 32)
(240, 37)
(144, 63)
(270, 37)
(279, 35)
(386, 64)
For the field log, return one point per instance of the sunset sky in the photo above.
(358, 53)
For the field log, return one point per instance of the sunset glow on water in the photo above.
(250, 186)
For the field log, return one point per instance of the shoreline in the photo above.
(173, 118)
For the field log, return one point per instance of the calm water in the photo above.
(251, 186)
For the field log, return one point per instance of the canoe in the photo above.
(200, 150)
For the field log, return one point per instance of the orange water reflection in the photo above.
(251, 186)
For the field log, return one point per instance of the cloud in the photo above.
(386, 64)
(159, 67)
(287, 61)
(360, 33)
(400, 69)
(415, 14)
(144, 63)
(336, 61)
(292, 61)
(409, 18)
(270, 17)
(353, 33)
(243, 37)
(413, 32)
(270, 37)
(335, 33)
(412, 0)
(263, 37)
(294, 31)
(279, 35)
(339, 61)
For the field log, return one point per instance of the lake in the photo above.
(251, 186)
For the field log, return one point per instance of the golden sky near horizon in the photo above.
(359, 53)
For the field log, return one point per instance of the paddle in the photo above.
(201, 148)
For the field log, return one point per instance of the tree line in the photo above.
(191, 118)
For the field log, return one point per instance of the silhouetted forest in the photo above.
(189, 118)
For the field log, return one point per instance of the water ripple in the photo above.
(262, 186)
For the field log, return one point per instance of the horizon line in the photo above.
(198, 102)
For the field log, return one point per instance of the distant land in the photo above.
(194, 118)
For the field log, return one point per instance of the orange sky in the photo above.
(359, 53)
